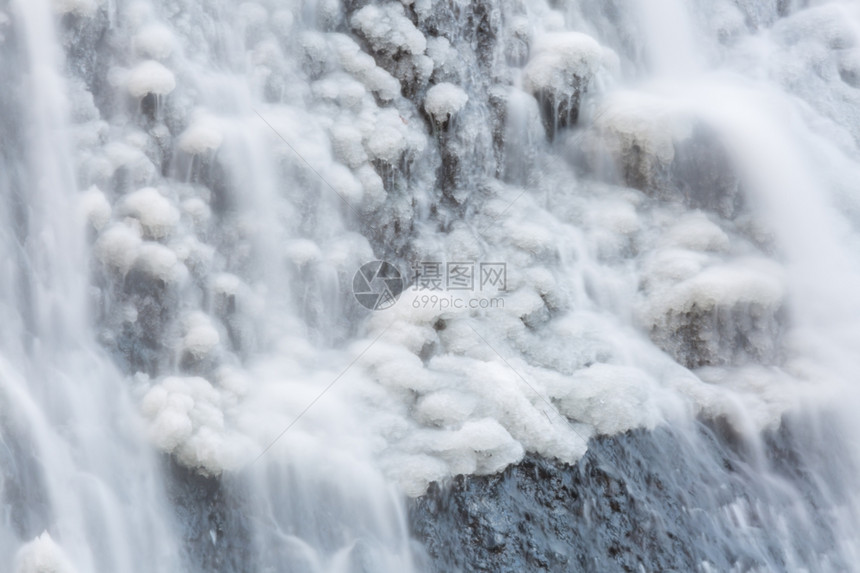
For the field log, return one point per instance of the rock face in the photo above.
(641, 501)
(668, 156)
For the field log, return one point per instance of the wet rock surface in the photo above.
(641, 501)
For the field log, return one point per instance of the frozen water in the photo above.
(190, 188)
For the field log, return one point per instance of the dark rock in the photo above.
(642, 501)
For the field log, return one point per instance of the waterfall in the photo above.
(431, 285)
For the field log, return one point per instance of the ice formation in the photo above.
(444, 100)
(388, 29)
(154, 41)
(155, 213)
(201, 137)
(150, 77)
(565, 62)
(211, 230)
(42, 555)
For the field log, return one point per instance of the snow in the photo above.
(627, 121)
(150, 77)
(95, 208)
(371, 182)
(445, 100)
(612, 399)
(201, 137)
(303, 251)
(159, 262)
(117, 247)
(445, 408)
(157, 215)
(562, 60)
(154, 41)
(347, 143)
(227, 284)
(388, 29)
(363, 67)
(698, 233)
(386, 144)
(197, 209)
(444, 57)
(744, 281)
(186, 418)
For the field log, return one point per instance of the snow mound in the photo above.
(612, 399)
(157, 215)
(726, 314)
(186, 419)
(697, 233)
(201, 336)
(565, 62)
(363, 67)
(303, 251)
(629, 121)
(160, 263)
(386, 144)
(154, 41)
(95, 208)
(201, 137)
(445, 100)
(117, 247)
(347, 143)
(387, 29)
(757, 281)
(83, 8)
(150, 77)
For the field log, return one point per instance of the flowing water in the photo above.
(187, 383)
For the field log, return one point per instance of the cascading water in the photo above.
(660, 374)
